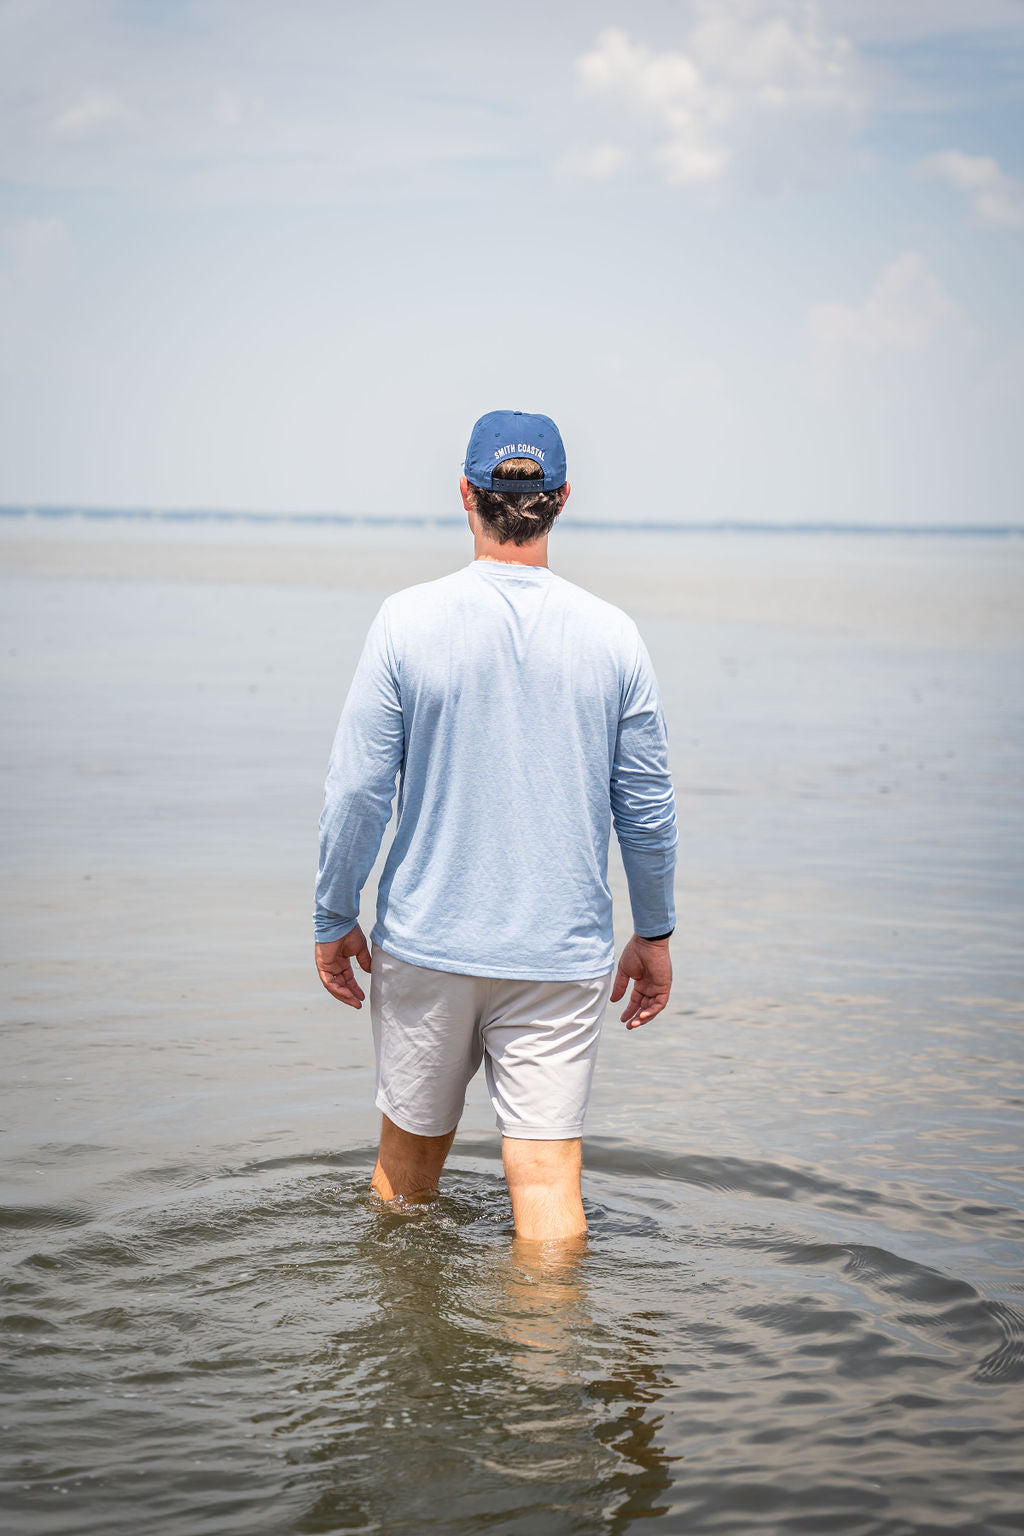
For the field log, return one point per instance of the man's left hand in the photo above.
(647, 963)
(334, 965)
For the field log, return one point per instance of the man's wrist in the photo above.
(329, 927)
(656, 938)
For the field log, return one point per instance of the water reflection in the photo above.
(542, 1312)
(552, 1313)
(479, 1387)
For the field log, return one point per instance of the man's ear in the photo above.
(565, 495)
(467, 502)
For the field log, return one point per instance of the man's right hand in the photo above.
(648, 964)
(335, 966)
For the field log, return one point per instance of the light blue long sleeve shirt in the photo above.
(521, 717)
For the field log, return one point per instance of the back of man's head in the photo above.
(515, 463)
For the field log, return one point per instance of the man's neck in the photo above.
(511, 554)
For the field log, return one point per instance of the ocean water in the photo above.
(800, 1307)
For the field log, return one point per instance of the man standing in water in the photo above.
(523, 716)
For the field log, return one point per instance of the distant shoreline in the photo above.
(592, 525)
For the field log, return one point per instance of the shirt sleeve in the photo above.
(368, 753)
(643, 800)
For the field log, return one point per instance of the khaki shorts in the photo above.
(537, 1039)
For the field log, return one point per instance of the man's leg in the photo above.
(544, 1183)
(409, 1165)
(541, 1042)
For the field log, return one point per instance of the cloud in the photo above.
(747, 68)
(668, 88)
(598, 163)
(92, 114)
(996, 199)
(905, 308)
(240, 101)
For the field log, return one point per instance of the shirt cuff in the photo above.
(329, 926)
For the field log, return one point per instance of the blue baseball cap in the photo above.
(502, 435)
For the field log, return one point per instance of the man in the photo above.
(523, 717)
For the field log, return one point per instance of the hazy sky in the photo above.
(759, 260)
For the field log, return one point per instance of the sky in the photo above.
(760, 259)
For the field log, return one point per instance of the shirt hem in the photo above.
(496, 973)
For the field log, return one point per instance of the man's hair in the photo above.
(517, 517)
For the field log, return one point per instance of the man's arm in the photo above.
(643, 814)
(368, 752)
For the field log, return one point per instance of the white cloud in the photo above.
(662, 81)
(780, 57)
(599, 163)
(90, 115)
(747, 68)
(903, 310)
(669, 89)
(688, 162)
(996, 199)
(239, 101)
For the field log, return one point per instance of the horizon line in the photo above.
(590, 525)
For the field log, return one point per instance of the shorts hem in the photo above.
(405, 1123)
(542, 1132)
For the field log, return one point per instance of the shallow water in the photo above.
(800, 1305)
(742, 1346)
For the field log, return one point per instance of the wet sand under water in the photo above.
(799, 1308)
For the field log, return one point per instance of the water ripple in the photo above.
(264, 1335)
